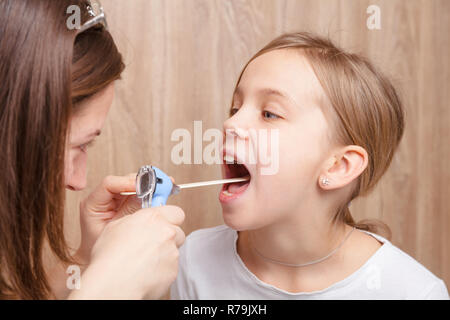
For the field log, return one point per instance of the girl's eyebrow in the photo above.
(278, 93)
(269, 92)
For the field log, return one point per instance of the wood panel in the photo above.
(183, 58)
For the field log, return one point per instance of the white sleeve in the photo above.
(438, 292)
(181, 289)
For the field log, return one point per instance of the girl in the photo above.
(290, 235)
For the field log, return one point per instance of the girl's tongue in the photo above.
(233, 191)
(237, 187)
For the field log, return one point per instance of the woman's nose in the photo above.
(76, 181)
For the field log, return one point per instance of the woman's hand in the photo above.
(135, 256)
(102, 206)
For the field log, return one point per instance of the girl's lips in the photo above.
(233, 191)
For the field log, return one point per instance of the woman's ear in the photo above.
(344, 167)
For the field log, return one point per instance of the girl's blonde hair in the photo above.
(364, 106)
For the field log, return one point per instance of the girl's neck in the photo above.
(296, 241)
(302, 242)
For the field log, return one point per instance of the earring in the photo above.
(325, 181)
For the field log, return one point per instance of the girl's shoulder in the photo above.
(207, 241)
(214, 232)
(396, 260)
(397, 269)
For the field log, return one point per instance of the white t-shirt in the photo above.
(210, 268)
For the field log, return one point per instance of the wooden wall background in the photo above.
(183, 58)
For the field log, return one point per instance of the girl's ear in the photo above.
(344, 167)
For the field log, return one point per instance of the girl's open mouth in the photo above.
(233, 191)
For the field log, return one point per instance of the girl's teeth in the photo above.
(229, 159)
(225, 192)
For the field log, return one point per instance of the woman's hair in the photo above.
(363, 105)
(45, 70)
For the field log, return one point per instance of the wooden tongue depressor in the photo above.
(200, 184)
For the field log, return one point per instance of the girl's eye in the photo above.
(269, 115)
(233, 111)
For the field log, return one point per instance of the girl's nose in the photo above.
(241, 133)
(238, 125)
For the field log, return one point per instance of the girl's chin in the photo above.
(236, 226)
(241, 220)
(235, 220)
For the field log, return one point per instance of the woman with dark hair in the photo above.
(56, 89)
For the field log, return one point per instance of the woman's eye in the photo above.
(85, 146)
(269, 115)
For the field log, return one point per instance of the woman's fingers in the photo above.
(120, 184)
(180, 237)
(130, 205)
(173, 214)
(112, 186)
(151, 237)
